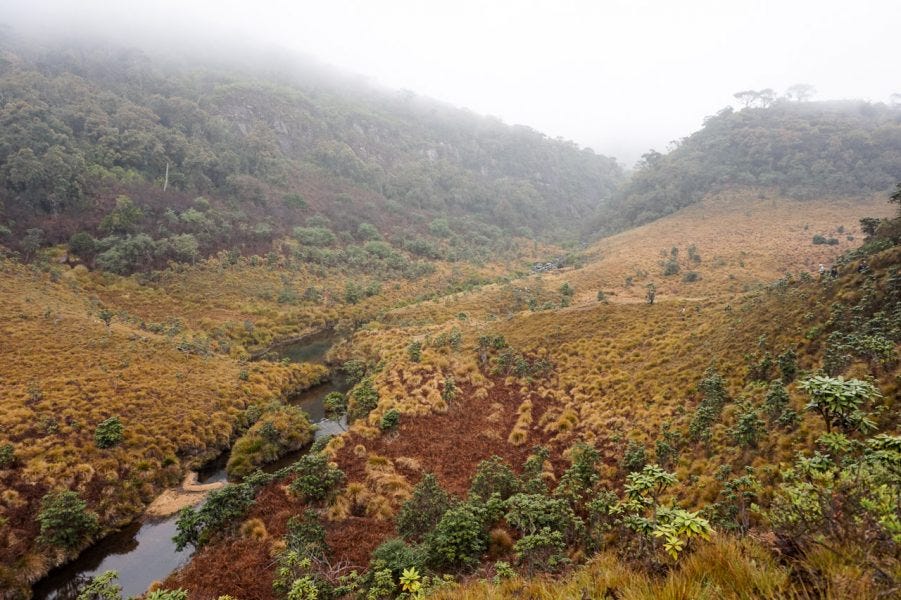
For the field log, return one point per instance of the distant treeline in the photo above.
(801, 149)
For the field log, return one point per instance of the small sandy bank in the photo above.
(189, 494)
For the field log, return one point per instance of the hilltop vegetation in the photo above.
(140, 161)
(800, 149)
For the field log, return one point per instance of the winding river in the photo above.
(143, 552)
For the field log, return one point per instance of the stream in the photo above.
(143, 552)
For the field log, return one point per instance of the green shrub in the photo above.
(314, 236)
(108, 433)
(306, 535)
(714, 396)
(449, 389)
(65, 521)
(494, 476)
(776, 401)
(295, 200)
(102, 587)
(414, 350)
(693, 254)
(7, 456)
(83, 245)
(671, 267)
(822, 240)
(544, 550)
(390, 420)
(364, 398)
(634, 456)
(355, 370)
(335, 405)
(316, 478)
(396, 556)
(748, 427)
(460, 538)
(788, 365)
(530, 513)
(424, 509)
(691, 277)
(222, 508)
(532, 471)
(582, 475)
(353, 292)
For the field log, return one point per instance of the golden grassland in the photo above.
(744, 240)
(724, 569)
(170, 364)
(64, 371)
(244, 303)
(625, 368)
(622, 369)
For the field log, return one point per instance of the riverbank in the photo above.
(189, 493)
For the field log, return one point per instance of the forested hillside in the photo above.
(149, 160)
(798, 149)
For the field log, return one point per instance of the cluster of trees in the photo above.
(803, 149)
(82, 124)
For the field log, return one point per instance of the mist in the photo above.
(619, 77)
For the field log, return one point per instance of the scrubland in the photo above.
(616, 373)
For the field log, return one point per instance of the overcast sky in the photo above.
(620, 76)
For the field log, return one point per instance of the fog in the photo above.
(618, 76)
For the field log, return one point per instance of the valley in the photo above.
(285, 335)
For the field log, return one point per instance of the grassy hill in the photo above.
(626, 378)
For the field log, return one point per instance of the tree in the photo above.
(32, 242)
(762, 98)
(748, 427)
(896, 196)
(746, 97)
(800, 92)
(869, 225)
(65, 521)
(123, 218)
(652, 293)
(839, 401)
